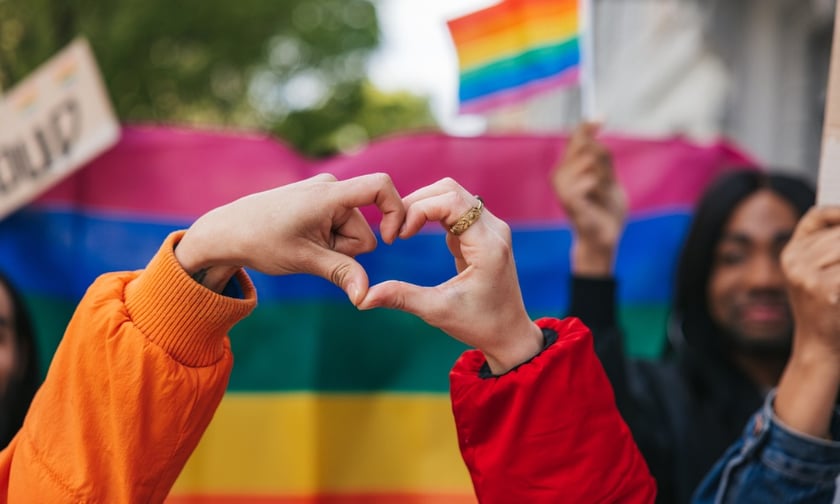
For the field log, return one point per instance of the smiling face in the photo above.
(8, 341)
(746, 290)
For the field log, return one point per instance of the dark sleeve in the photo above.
(593, 301)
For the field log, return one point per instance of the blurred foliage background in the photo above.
(295, 68)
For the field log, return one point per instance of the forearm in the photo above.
(132, 386)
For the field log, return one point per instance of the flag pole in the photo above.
(589, 106)
(828, 181)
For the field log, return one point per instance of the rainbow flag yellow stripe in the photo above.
(296, 446)
(378, 498)
(510, 50)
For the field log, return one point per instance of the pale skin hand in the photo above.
(811, 263)
(313, 226)
(482, 305)
(586, 187)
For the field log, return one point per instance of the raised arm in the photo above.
(586, 187)
(534, 411)
(791, 448)
(145, 360)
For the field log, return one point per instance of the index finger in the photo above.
(377, 189)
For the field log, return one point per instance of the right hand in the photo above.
(810, 383)
(811, 264)
(586, 187)
(313, 226)
(482, 305)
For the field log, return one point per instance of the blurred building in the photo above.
(754, 71)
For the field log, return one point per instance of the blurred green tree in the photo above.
(293, 67)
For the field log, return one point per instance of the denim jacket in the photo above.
(771, 463)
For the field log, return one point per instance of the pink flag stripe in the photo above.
(180, 173)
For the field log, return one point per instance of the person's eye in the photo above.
(730, 257)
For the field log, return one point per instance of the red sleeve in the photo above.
(547, 431)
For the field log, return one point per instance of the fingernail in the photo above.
(353, 293)
(368, 306)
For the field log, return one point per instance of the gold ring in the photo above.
(468, 219)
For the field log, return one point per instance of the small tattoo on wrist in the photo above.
(200, 275)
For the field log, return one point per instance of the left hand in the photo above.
(480, 306)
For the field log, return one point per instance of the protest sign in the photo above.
(51, 124)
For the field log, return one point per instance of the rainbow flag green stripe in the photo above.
(329, 346)
(515, 49)
(326, 404)
(517, 70)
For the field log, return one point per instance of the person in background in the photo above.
(19, 373)
(790, 450)
(731, 324)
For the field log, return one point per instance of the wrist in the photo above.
(808, 390)
(817, 360)
(524, 347)
(191, 256)
(592, 260)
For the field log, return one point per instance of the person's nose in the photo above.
(765, 271)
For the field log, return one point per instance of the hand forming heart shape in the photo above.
(315, 226)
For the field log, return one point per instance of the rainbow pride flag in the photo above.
(327, 404)
(515, 49)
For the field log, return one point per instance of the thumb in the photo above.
(343, 271)
(421, 301)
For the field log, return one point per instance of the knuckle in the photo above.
(368, 242)
(450, 183)
(452, 199)
(339, 273)
(590, 159)
(500, 252)
(397, 299)
(810, 284)
(505, 232)
(382, 178)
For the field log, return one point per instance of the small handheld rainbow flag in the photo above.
(513, 50)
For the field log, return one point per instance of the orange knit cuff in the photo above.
(184, 318)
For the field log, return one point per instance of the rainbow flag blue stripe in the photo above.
(299, 409)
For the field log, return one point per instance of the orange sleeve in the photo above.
(136, 379)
